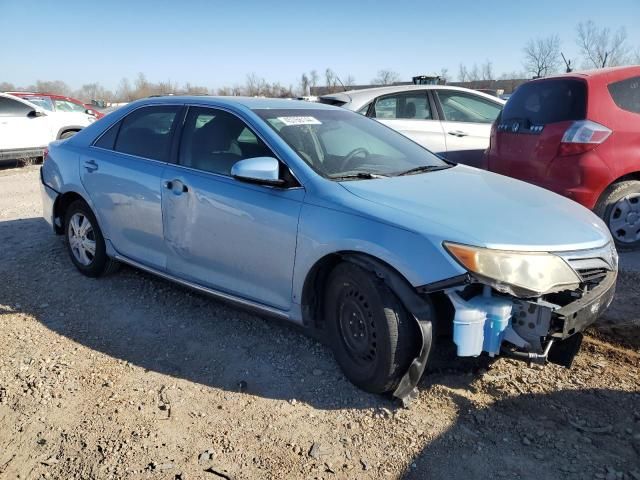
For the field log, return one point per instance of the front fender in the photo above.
(324, 231)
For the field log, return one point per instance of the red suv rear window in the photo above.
(547, 101)
(626, 94)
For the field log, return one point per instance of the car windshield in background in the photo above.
(547, 101)
(344, 145)
(43, 102)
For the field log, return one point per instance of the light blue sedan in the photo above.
(330, 220)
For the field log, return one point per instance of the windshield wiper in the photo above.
(356, 176)
(424, 168)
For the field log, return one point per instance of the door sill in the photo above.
(247, 304)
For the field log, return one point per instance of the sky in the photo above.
(217, 43)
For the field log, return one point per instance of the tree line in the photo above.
(598, 47)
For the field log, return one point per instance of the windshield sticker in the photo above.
(300, 120)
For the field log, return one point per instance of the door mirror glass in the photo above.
(261, 170)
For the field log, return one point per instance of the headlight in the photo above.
(518, 273)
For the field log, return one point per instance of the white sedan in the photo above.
(453, 122)
(26, 129)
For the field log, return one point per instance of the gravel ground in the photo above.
(131, 377)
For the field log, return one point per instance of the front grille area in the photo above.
(592, 276)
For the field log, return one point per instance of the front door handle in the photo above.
(176, 186)
(91, 165)
(458, 133)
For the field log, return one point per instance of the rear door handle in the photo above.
(91, 165)
(458, 133)
(176, 186)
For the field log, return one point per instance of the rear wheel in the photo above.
(85, 242)
(372, 336)
(619, 207)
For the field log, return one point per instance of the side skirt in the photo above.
(226, 297)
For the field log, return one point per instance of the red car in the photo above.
(60, 103)
(577, 134)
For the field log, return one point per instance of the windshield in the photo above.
(43, 102)
(340, 143)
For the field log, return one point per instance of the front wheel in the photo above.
(373, 337)
(85, 242)
(619, 207)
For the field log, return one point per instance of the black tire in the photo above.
(607, 209)
(99, 263)
(68, 134)
(372, 336)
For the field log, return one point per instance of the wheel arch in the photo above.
(68, 128)
(634, 175)
(60, 207)
(419, 307)
(315, 283)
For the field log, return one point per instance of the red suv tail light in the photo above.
(582, 136)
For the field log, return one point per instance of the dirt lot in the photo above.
(132, 377)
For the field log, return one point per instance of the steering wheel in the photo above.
(352, 155)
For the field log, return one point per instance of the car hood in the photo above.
(467, 205)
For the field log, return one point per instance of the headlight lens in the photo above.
(531, 273)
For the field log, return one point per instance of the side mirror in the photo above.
(36, 113)
(260, 170)
(88, 111)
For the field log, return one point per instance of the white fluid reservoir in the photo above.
(468, 327)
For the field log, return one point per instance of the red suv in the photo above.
(59, 103)
(578, 135)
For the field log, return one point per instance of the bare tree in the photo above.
(349, 81)
(463, 74)
(254, 85)
(313, 78)
(474, 74)
(304, 84)
(55, 86)
(444, 75)
(487, 70)
(600, 47)
(635, 59)
(7, 87)
(386, 77)
(542, 56)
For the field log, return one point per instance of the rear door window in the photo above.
(13, 108)
(403, 106)
(547, 101)
(626, 94)
(147, 132)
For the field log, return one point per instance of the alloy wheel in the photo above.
(82, 239)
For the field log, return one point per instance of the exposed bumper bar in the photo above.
(577, 316)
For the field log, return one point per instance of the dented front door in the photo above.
(231, 236)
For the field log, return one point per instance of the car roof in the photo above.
(606, 74)
(370, 93)
(253, 103)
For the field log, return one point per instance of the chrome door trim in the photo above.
(209, 291)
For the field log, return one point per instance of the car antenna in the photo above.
(344, 89)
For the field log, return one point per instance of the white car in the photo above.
(453, 122)
(26, 129)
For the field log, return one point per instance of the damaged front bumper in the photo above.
(547, 328)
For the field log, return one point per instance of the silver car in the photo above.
(453, 122)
